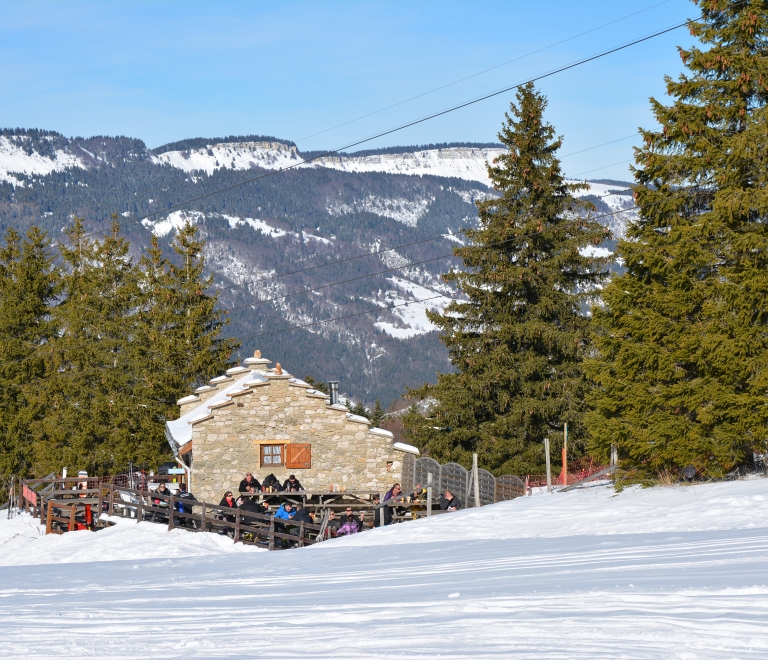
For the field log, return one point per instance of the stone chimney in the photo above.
(257, 363)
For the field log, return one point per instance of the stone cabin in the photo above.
(265, 421)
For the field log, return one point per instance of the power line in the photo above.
(401, 127)
(480, 73)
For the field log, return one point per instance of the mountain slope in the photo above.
(341, 208)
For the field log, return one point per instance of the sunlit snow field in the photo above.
(659, 573)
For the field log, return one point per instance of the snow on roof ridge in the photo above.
(410, 449)
(377, 431)
(358, 418)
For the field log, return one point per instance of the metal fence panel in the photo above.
(487, 487)
(423, 467)
(453, 477)
(406, 479)
(508, 487)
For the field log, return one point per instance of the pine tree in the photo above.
(28, 288)
(196, 349)
(681, 375)
(377, 415)
(516, 341)
(94, 420)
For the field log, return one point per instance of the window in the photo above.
(298, 456)
(271, 455)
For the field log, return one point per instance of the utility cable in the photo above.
(480, 73)
(401, 127)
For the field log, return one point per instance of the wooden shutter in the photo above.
(298, 456)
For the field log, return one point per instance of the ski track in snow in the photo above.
(659, 573)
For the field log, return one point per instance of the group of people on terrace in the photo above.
(288, 514)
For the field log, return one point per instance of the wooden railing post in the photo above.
(170, 513)
(202, 518)
(72, 512)
(301, 535)
(48, 521)
(140, 509)
(237, 526)
(272, 533)
(111, 499)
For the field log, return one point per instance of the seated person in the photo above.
(302, 515)
(249, 485)
(285, 512)
(382, 512)
(448, 502)
(333, 524)
(250, 505)
(292, 484)
(393, 493)
(271, 484)
(229, 501)
(349, 523)
(162, 489)
(183, 505)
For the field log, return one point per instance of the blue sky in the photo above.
(164, 71)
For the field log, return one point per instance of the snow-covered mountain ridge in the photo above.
(321, 224)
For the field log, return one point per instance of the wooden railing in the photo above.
(64, 509)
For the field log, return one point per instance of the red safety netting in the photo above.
(577, 470)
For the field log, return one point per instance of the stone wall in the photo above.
(344, 451)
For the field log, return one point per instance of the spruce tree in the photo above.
(377, 415)
(94, 419)
(682, 371)
(197, 351)
(28, 287)
(517, 338)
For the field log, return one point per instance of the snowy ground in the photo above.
(658, 573)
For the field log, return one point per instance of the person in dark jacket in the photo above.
(250, 505)
(383, 512)
(448, 502)
(162, 489)
(292, 484)
(271, 482)
(229, 501)
(249, 485)
(183, 505)
(333, 524)
(302, 515)
(349, 523)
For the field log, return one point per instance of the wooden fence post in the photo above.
(272, 533)
(549, 468)
(140, 509)
(48, 521)
(476, 479)
(301, 535)
(170, 514)
(202, 518)
(237, 526)
(111, 499)
(72, 513)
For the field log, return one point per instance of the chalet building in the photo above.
(261, 420)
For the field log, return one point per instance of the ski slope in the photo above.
(659, 573)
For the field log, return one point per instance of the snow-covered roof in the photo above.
(179, 431)
(410, 449)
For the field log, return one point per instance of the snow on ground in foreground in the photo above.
(659, 573)
(23, 541)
